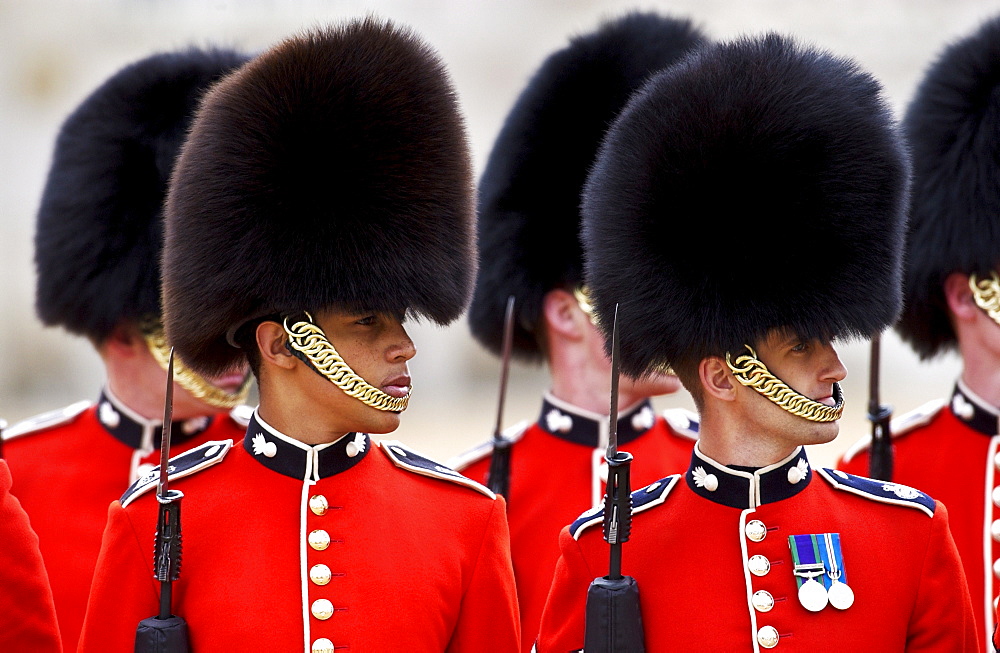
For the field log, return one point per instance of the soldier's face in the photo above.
(810, 367)
(377, 347)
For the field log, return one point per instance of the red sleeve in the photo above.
(489, 619)
(942, 617)
(562, 627)
(123, 592)
(27, 613)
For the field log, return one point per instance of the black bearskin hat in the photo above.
(953, 127)
(755, 185)
(100, 223)
(332, 171)
(529, 202)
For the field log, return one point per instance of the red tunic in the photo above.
(558, 471)
(710, 553)
(27, 615)
(279, 531)
(69, 465)
(951, 453)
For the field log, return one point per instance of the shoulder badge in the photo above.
(642, 499)
(683, 422)
(474, 455)
(899, 426)
(241, 415)
(46, 420)
(881, 491)
(181, 465)
(405, 458)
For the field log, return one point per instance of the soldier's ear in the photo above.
(563, 314)
(271, 338)
(959, 296)
(125, 340)
(716, 378)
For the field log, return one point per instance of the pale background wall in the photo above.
(53, 52)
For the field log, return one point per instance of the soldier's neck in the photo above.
(981, 371)
(722, 439)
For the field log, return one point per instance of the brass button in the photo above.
(767, 637)
(759, 565)
(322, 645)
(995, 529)
(996, 496)
(320, 574)
(318, 504)
(756, 530)
(319, 540)
(322, 609)
(996, 567)
(762, 601)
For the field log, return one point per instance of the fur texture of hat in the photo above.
(756, 185)
(529, 203)
(953, 127)
(99, 229)
(331, 172)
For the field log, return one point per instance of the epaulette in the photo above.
(642, 499)
(881, 491)
(181, 465)
(899, 426)
(46, 420)
(241, 415)
(683, 422)
(407, 459)
(477, 453)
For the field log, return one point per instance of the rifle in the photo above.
(165, 633)
(498, 478)
(613, 618)
(880, 456)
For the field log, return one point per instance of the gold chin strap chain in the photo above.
(749, 371)
(582, 296)
(987, 294)
(307, 338)
(197, 385)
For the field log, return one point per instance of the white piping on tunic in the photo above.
(747, 579)
(988, 542)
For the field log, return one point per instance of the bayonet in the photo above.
(880, 415)
(165, 633)
(498, 478)
(167, 552)
(613, 621)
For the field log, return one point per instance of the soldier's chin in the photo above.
(380, 422)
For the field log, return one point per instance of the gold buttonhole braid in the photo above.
(987, 294)
(305, 337)
(749, 371)
(197, 385)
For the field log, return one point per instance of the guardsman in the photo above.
(97, 251)
(27, 613)
(324, 194)
(783, 163)
(530, 249)
(952, 303)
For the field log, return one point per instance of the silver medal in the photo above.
(841, 595)
(813, 596)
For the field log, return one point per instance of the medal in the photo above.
(841, 596)
(813, 596)
(808, 566)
